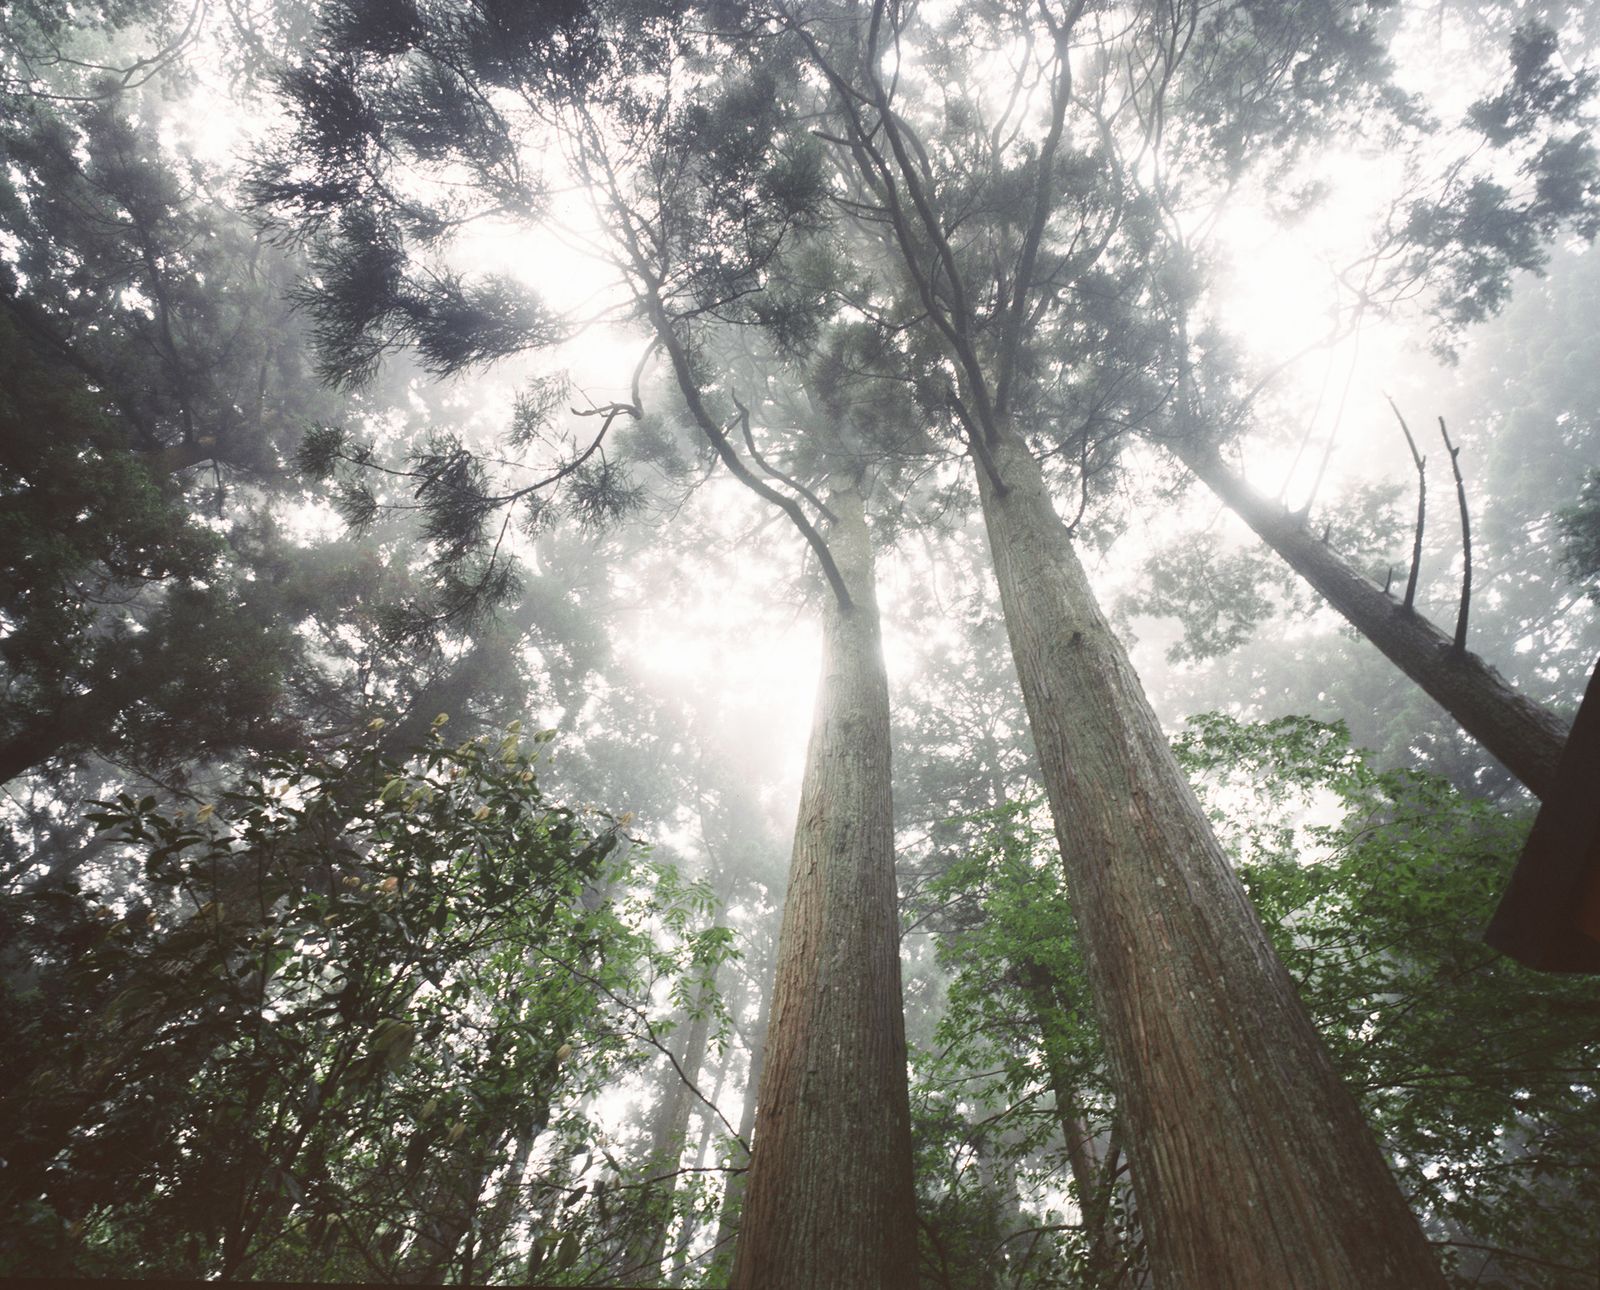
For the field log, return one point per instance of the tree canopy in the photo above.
(483, 482)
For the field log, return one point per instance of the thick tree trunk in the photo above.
(1526, 737)
(830, 1203)
(1255, 1166)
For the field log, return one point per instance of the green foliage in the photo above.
(357, 983)
(1018, 1012)
(1220, 598)
(1472, 1069)
(1580, 533)
(81, 514)
(1375, 886)
(1479, 231)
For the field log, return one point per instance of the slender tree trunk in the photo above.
(1046, 1016)
(691, 1225)
(1255, 1166)
(1094, 1186)
(449, 1213)
(669, 1130)
(733, 1193)
(1525, 736)
(830, 1203)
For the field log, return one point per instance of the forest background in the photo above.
(417, 578)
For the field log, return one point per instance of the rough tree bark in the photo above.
(1526, 737)
(830, 1204)
(1255, 1166)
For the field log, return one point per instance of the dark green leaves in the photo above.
(376, 974)
(1580, 531)
(1539, 93)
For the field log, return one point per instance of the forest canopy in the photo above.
(834, 644)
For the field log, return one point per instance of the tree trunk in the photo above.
(1037, 985)
(1094, 1186)
(830, 1203)
(1255, 1166)
(1526, 737)
(691, 1225)
(78, 721)
(669, 1130)
(733, 1193)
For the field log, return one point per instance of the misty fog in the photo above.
(814, 644)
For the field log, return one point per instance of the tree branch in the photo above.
(755, 455)
(1459, 649)
(1422, 509)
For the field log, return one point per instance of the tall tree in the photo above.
(1525, 735)
(829, 1200)
(1223, 1082)
(1459, 246)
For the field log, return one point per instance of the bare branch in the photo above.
(1422, 509)
(1459, 649)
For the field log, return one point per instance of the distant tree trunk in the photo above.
(1038, 986)
(669, 1130)
(830, 1203)
(1255, 1166)
(446, 1215)
(733, 1193)
(1525, 736)
(1094, 1189)
(447, 1219)
(679, 1263)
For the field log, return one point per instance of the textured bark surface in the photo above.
(1526, 737)
(829, 1204)
(1255, 1167)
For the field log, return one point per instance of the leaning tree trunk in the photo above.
(79, 721)
(1526, 737)
(830, 1203)
(1255, 1166)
